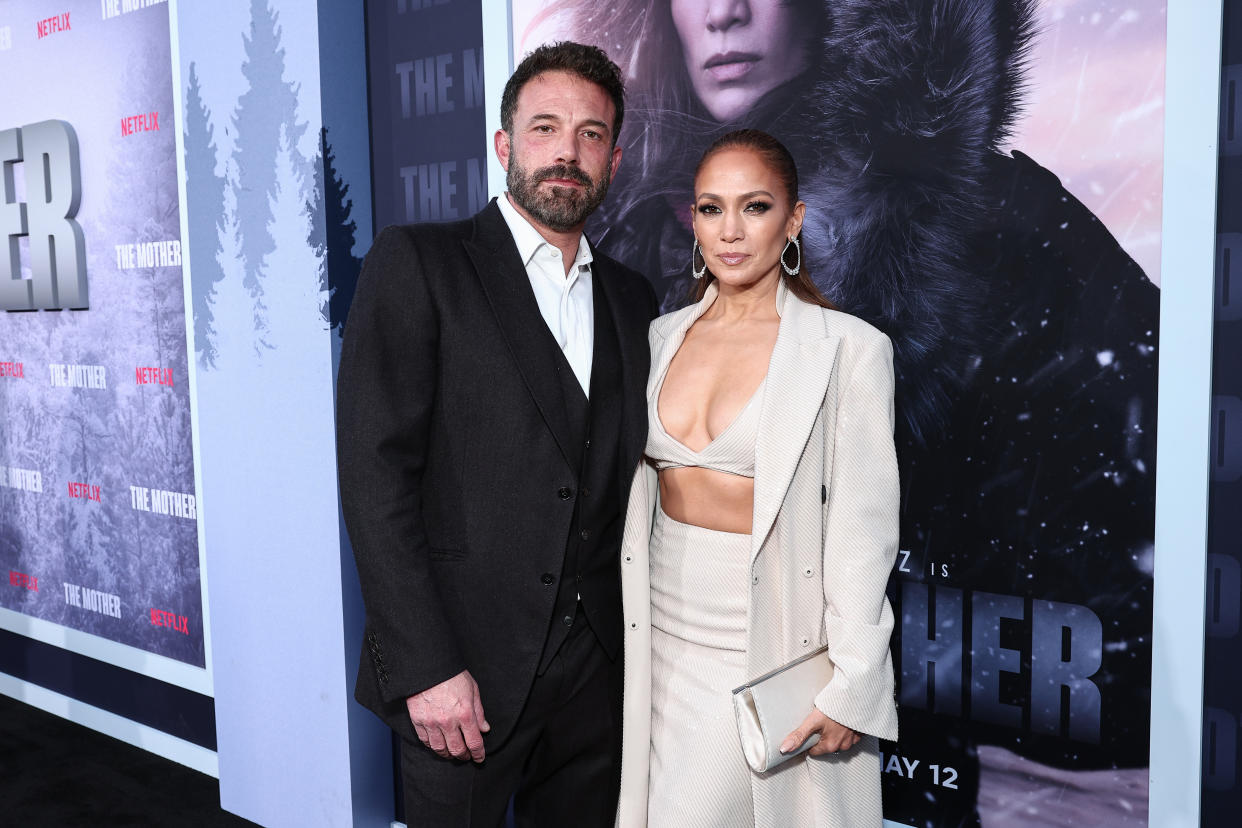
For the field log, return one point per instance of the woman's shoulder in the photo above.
(849, 325)
(852, 330)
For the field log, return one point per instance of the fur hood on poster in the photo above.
(893, 130)
(925, 92)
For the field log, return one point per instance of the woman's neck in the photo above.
(756, 301)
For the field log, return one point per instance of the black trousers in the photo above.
(561, 766)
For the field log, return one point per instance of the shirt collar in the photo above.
(528, 239)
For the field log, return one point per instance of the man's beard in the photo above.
(560, 208)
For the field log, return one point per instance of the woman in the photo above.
(1024, 336)
(763, 525)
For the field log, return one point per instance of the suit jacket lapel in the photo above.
(504, 279)
(802, 364)
(630, 323)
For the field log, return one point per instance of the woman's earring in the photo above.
(696, 271)
(797, 268)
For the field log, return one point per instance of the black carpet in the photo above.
(56, 773)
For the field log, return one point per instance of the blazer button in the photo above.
(806, 642)
(568, 620)
(547, 579)
(808, 572)
(585, 534)
(564, 493)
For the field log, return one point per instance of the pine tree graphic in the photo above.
(266, 113)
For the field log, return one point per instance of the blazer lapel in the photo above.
(801, 366)
(672, 331)
(504, 279)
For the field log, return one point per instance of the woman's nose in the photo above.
(730, 228)
(723, 15)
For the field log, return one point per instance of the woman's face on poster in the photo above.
(736, 51)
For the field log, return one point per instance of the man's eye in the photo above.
(544, 128)
(592, 134)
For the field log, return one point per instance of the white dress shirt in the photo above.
(565, 301)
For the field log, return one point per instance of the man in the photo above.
(491, 413)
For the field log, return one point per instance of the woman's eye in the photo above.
(708, 209)
(758, 207)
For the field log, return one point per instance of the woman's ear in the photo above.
(795, 220)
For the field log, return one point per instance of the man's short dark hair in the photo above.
(587, 62)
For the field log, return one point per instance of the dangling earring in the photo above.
(797, 268)
(695, 271)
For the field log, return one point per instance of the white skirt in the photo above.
(699, 592)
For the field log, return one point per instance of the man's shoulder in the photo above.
(616, 269)
(429, 233)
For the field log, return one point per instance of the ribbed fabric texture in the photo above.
(699, 778)
(732, 451)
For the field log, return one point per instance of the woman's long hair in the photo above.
(780, 162)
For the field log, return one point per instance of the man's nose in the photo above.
(567, 148)
(723, 15)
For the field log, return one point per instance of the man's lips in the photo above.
(731, 66)
(562, 182)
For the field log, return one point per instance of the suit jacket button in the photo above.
(564, 493)
(568, 620)
(547, 579)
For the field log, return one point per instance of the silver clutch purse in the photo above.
(768, 708)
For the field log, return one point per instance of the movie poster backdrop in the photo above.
(983, 182)
(1221, 788)
(98, 508)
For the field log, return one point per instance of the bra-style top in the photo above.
(733, 450)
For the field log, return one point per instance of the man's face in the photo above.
(560, 156)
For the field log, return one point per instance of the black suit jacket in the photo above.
(456, 477)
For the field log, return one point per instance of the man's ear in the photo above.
(616, 162)
(501, 142)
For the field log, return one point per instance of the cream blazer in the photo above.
(824, 542)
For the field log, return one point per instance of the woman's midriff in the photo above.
(708, 498)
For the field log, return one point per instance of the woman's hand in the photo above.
(833, 736)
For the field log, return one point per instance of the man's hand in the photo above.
(448, 718)
(833, 736)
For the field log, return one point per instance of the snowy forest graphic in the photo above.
(268, 198)
(123, 434)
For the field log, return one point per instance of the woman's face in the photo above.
(742, 217)
(738, 50)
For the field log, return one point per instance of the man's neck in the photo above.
(566, 242)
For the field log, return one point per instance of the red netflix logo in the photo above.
(52, 25)
(154, 376)
(21, 579)
(147, 122)
(164, 618)
(12, 369)
(85, 491)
